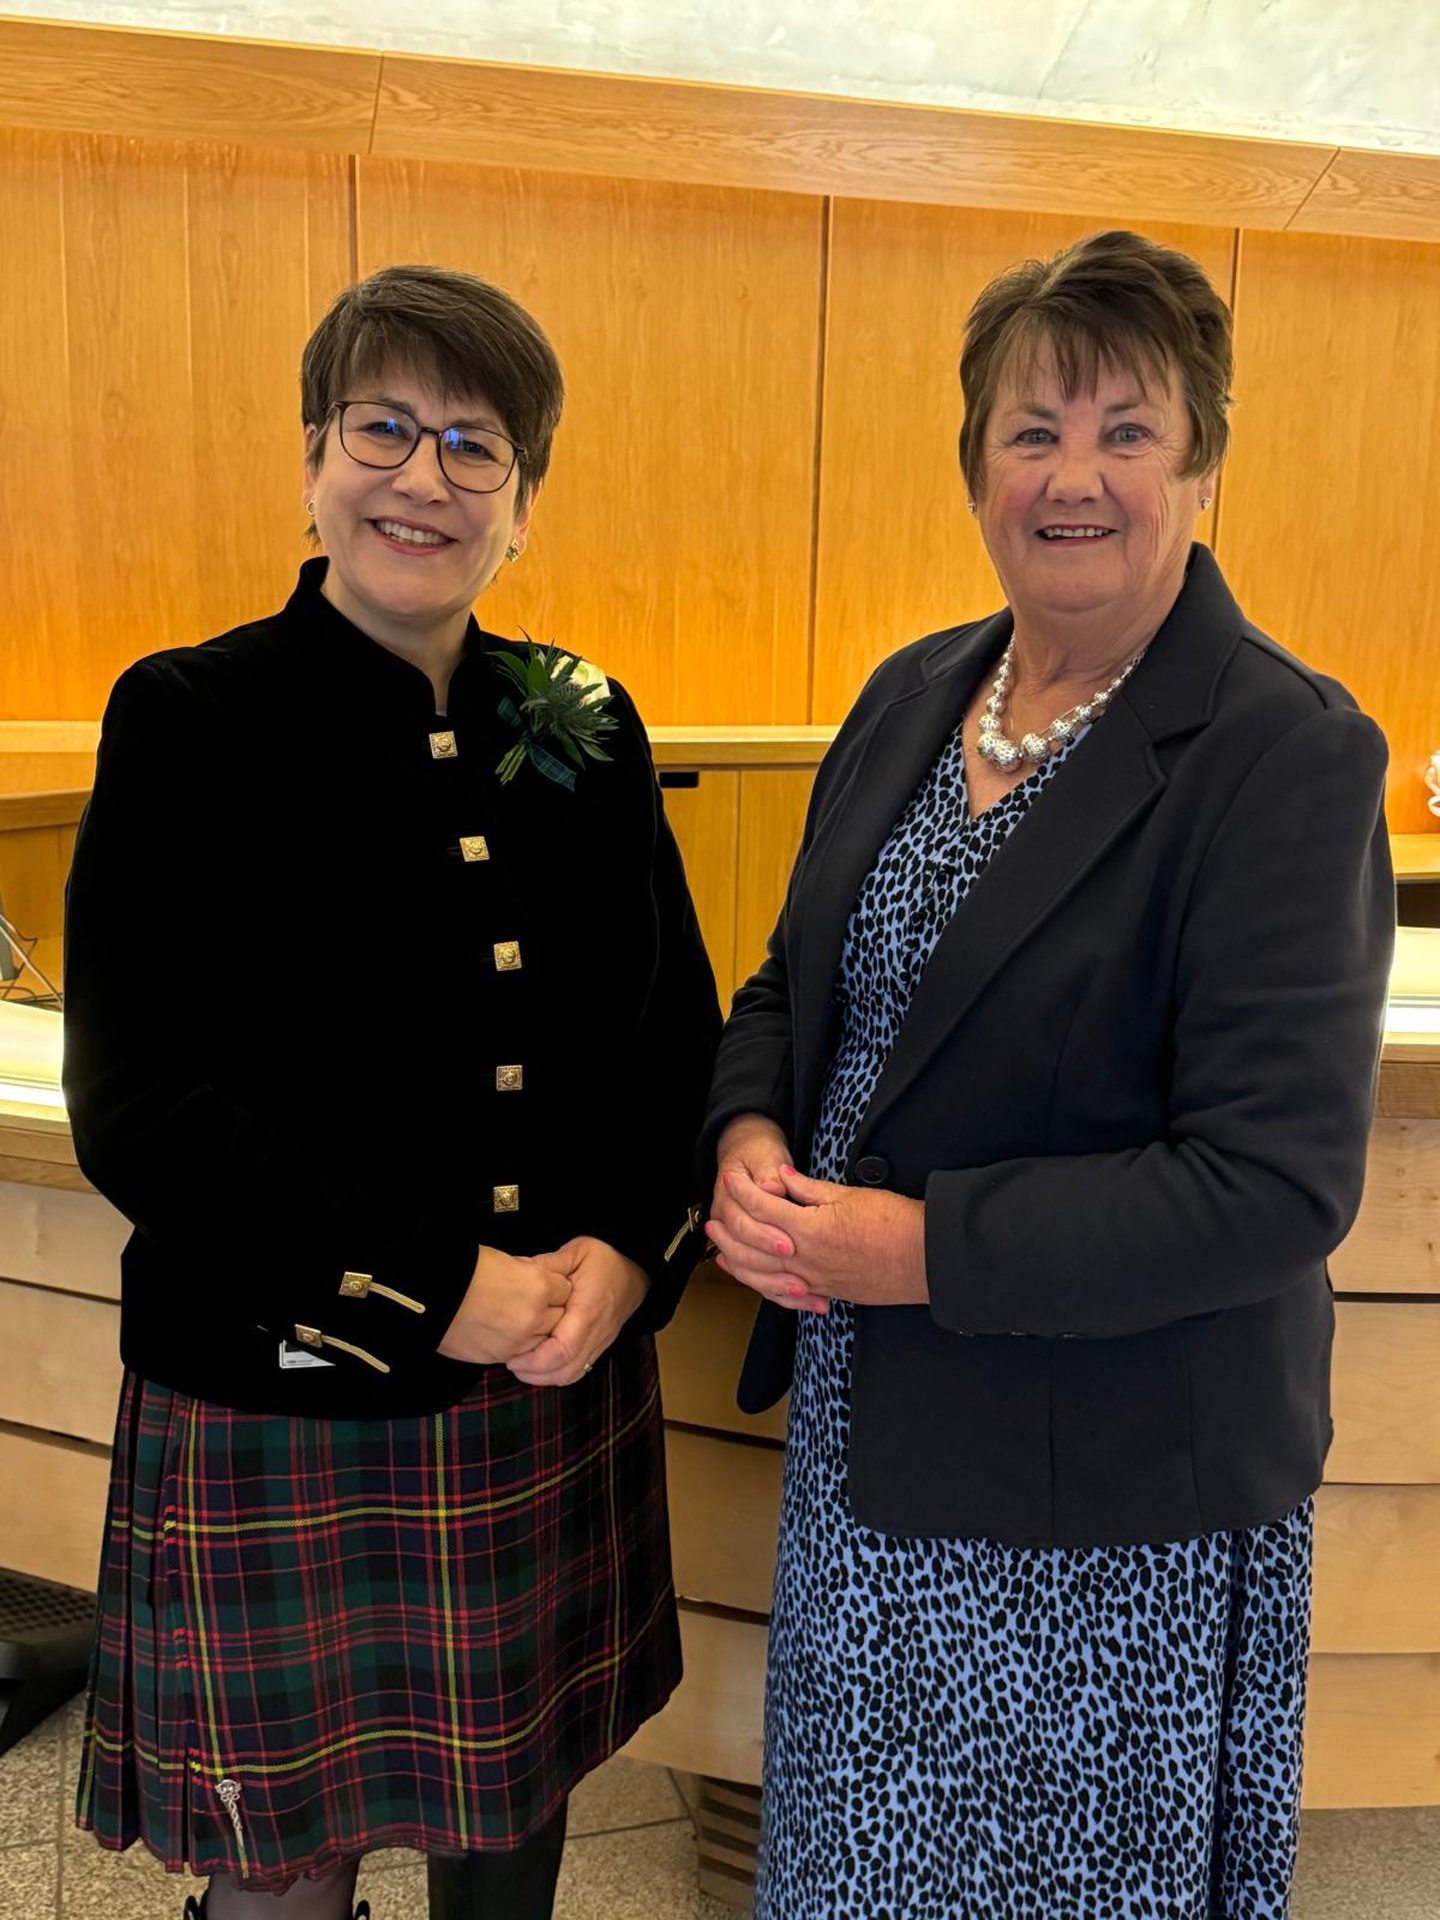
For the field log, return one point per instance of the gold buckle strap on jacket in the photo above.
(690, 1224)
(359, 1286)
(313, 1337)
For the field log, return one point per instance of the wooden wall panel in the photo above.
(1394, 1246)
(1377, 1570)
(59, 1362)
(898, 553)
(772, 819)
(1372, 1731)
(1387, 1412)
(705, 820)
(1327, 514)
(700, 1357)
(673, 541)
(148, 358)
(52, 1507)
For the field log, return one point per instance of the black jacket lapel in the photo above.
(902, 745)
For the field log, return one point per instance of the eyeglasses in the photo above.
(475, 459)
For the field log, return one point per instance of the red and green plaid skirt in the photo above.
(321, 1637)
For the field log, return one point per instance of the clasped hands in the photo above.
(802, 1243)
(547, 1317)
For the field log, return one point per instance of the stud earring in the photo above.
(1204, 502)
(970, 505)
(512, 553)
(310, 508)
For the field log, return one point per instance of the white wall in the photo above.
(1356, 72)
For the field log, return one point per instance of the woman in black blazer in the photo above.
(404, 1140)
(1072, 1019)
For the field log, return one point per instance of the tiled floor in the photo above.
(631, 1854)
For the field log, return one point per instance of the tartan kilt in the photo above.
(320, 1637)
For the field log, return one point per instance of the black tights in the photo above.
(518, 1885)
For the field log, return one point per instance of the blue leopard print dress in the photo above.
(960, 1730)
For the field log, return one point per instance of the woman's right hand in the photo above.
(510, 1306)
(748, 1250)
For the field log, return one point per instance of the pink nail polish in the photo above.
(798, 1291)
(783, 1250)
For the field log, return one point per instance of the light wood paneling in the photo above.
(700, 1356)
(68, 1241)
(1395, 196)
(1372, 1731)
(149, 358)
(52, 1507)
(1394, 1246)
(898, 554)
(1377, 1570)
(772, 820)
(724, 1517)
(706, 823)
(805, 143)
(185, 86)
(1325, 534)
(34, 862)
(59, 1362)
(672, 544)
(712, 1722)
(1386, 1408)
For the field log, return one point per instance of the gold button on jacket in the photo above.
(507, 1199)
(509, 1079)
(443, 747)
(507, 956)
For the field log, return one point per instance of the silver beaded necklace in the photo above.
(1001, 751)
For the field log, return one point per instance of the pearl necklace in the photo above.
(1001, 751)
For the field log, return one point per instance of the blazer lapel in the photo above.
(1111, 776)
(902, 745)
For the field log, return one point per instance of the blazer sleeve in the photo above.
(673, 1053)
(193, 1170)
(1280, 1000)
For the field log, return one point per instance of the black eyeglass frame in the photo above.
(337, 408)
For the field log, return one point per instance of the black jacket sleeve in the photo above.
(1281, 992)
(229, 1189)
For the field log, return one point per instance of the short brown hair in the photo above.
(1115, 300)
(454, 331)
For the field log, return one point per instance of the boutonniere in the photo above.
(558, 707)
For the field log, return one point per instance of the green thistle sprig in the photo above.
(558, 707)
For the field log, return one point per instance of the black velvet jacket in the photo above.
(1134, 1089)
(294, 1012)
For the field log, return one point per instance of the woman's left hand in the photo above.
(862, 1244)
(605, 1289)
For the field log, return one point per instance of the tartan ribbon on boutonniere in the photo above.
(557, 708)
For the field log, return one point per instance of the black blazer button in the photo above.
(871, 1171)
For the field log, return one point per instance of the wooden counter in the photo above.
(1374, 1723)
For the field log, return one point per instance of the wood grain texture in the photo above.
(1386, 1407)
(772, 820)
(713, 1721)
(705, 820)
(672, 542)
(899, 555)
(1394, 196)
(59, 1362)
(1394, 1246)
(185, 86)
(724, 1517)
(700, 1355)
(180, 284)
(1416, 855)
(806, 143)
(1377, 1570)
(1372, 1731)
(52, 1507)
(34, 863)
(1337, 441)
(67, 1241)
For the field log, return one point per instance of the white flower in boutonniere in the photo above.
(560, 710)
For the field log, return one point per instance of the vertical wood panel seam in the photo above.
(352, 232)
(738, 824)
(1233, 300)
(1312, 190)
(827, 207)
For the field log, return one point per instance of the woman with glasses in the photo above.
(386, 1560)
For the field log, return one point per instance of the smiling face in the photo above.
(409, 551)
(1083, 509)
